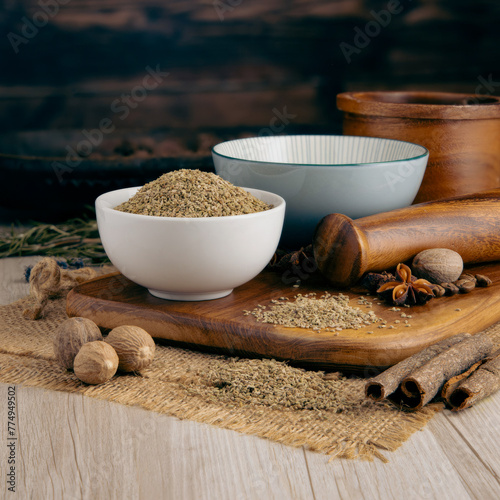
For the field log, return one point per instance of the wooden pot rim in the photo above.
(419, 104)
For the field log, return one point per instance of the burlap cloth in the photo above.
(180, 383)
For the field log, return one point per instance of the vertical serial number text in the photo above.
(11, 438)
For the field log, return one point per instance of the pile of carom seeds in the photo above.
(328, 312)
(274, 384)
(192, 193)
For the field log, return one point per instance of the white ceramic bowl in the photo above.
(189, 258)
(322, 174)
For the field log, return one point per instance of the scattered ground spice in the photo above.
(272, 383)
(192, 193)
(328, 312)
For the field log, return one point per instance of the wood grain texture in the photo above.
(73, 447)
(479, 427)
(460, 131)
(454, 457)
(345, 249)
(422, 105)
(81, 448)
(114, 300)
(469, 440)
(420, 471)
(292, 47)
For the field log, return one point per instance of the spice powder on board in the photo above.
(328, 312)
(192, 193)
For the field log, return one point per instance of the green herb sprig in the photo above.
(72, 239)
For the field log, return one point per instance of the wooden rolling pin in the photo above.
(345, 249)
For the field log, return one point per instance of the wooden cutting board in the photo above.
(220, 324)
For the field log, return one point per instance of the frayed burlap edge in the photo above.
(170, 385)
(275, 425)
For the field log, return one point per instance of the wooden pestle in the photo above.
(345, 249)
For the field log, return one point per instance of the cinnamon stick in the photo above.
(424, 383)
(481, 384)
(387, 383)
(454, 382)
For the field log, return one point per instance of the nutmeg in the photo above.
(96, 362)
(438, 265)
(134, 346)
(70, 336)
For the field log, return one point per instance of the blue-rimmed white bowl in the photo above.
(322, 174)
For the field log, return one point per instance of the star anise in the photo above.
(282, 261)
(373, 281)
(406, 289)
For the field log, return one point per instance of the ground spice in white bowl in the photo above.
(192, 193)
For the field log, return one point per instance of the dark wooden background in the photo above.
(231, 62)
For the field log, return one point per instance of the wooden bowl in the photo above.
(461, 132)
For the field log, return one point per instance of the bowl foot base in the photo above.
(188, 295)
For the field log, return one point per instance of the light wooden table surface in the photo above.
(75, 447)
